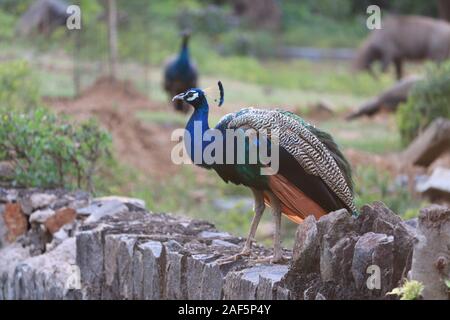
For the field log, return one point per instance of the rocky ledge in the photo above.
(62, 245)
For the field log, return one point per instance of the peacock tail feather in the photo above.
(313, 149)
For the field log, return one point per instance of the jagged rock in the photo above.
(153, 265)
(90, 259)
(437, 186)
(125, 200)
(133, 254)
(336, 261)
(347, 246)
(429, 145)
(373, 249)
(244, 284)
(306, 254)
(336, 225)
(100, 209)
(41, 200)
(380, 219)
(431, 258)
(10, 256)
(334, 246)
(52, 275)
(212, 282)
(40, 216)
(174, 276)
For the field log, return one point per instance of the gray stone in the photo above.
(139, 203)
(268, 283)
(101, 209)
(222, 243)
(90, 259)
(336, 261)
(213, 234)
(175, 280)
(125, 266)
(41, 200)
(138, 275)
(194, 275)
(46, 276)
(431, 257)
(153, 261)
(380, 219)
(110, 288)
(212, 282)
(243, 285)
(336, 225)
(283, 293)
(437, 186)
(373, 249)
(40, 216)
(306, 247)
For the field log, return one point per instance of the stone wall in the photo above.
(113, 248)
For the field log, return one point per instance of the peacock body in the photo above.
(313, 176)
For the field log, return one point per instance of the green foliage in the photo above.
(374, 185)
(15, 7)
(49, 151)
(7, 23)
(429, 100)
(18, 88)
(410, 290)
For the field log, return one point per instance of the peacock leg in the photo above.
(259, 208)
(276, 212)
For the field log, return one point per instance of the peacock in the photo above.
(313, 176)
(180, 74)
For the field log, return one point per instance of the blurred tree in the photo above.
(444, 9)
(112, 37)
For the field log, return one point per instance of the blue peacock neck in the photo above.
(183, 57)
(196, 127)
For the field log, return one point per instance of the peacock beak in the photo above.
(178, 97)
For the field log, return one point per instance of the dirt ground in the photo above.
(114, 103)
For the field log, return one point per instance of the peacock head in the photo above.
(198, 97)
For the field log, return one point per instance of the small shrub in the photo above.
(410, 290)
(7, 23)
(49, 151)
(429, 100)
(18, 88)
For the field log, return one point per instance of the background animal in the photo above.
(389, 99)
(180, 74)
(404, 38)
(313, 178)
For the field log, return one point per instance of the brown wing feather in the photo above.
(294, 203)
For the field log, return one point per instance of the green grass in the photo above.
(369, 136)
(372, 184)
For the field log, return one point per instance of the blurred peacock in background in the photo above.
(313, 177)
(180, 74)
